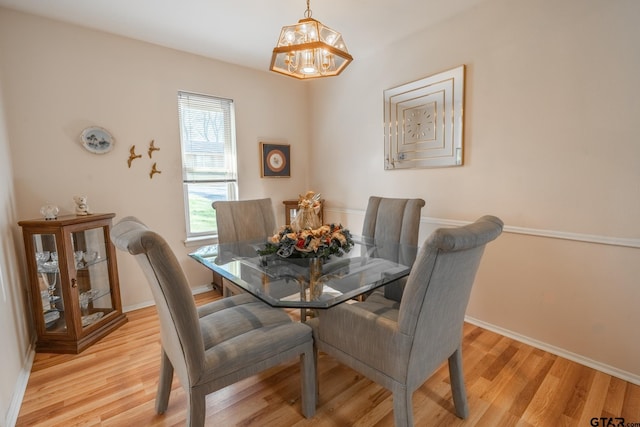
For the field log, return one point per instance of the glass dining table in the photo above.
(308, 283)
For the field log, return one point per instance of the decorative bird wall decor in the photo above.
(152, 148)
(154, 170)
(133, 155)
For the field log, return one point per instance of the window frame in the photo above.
(189, 106)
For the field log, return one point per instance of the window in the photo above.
(207, 136)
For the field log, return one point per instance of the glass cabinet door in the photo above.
(92, 275)
(50, 283)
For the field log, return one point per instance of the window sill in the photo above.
(191, 242)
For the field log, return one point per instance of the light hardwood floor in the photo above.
(113, 383)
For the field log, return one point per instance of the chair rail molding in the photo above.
(553, 234)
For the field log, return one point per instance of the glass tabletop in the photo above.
(308, 282)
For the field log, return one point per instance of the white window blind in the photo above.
(207, 136)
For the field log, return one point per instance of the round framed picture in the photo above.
(276, 161)
(97, 140)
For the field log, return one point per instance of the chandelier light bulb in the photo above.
(308, 67)
(290, 37)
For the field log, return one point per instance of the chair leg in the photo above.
(403, 408)
(315, 364)
(458, 389)
(164, 385)
(308, 372)
(197, 408)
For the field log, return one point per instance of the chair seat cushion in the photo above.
(238, 336)
(223, 303)
(249, 349)
(235, 320)
(365, 336)
(378, 304)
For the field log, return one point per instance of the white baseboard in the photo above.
(195, 291)
(20, 388)
(610, 370)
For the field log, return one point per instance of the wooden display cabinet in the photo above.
(73, 277)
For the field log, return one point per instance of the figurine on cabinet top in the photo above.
(49, 212)
(82, 208)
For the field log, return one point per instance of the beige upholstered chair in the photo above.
(395, 220)
(399, 345)
(243, 220)
(240, 220)
(218, 344)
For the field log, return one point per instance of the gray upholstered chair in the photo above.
(399, 345)
(395, 220)
(240, 220)
(217, 344)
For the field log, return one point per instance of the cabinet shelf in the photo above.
(78, 290)
(83, 265)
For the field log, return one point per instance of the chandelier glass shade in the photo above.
(309, 49)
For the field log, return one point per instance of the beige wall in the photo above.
(61, 79)
(57, 79)
(550, 139)
(551, 147)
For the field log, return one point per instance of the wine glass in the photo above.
(51, 285)
(84, 302)
(90, 256)
(42, 257)
(52, 288)
(77, 255)
(86, 298)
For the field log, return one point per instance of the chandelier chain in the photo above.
(307, 13)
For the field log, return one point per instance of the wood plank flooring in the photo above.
(113, 383)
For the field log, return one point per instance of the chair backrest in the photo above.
(179, 325)
(438, 289)
(395, 220)
(240, 220)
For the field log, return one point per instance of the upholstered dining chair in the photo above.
(399, 345)
(217, 344)
(240, 220)
(397, 221)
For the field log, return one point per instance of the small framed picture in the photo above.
(275, 160)
(97, 140)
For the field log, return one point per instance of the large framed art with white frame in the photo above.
(424, 123)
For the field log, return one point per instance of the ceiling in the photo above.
(244, 32)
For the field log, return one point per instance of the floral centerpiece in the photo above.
(321, 242)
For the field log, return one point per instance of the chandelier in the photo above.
(309, 49)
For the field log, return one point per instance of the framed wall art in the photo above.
(275, 160)
(423, 122)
